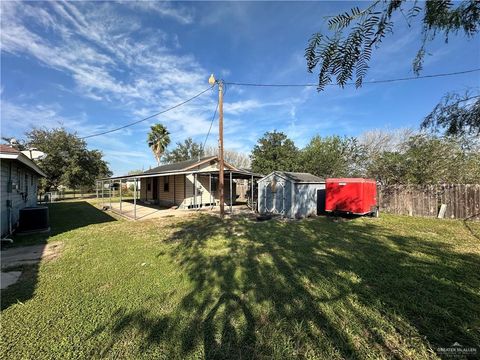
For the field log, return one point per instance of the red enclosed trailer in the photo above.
(351, 195)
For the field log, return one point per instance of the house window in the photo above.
(149, 185)
(166, 184)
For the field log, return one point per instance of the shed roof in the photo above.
(298, 177)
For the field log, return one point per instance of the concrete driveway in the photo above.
(25, 255)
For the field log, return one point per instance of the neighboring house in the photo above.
(291, 194)
(187, 184)
(19, 184)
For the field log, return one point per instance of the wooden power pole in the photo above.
(220, 146)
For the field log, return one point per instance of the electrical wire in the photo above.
(364, 82)
(211, 123)
(270, 85)
(149, 117)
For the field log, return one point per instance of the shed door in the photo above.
(320, 201)
(275, 197)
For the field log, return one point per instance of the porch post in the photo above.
(135, 199)
(121, 195)
(251, 194)
(210, 189)
(231, 203)
(195, 191)
(110, 194)
(103, 200)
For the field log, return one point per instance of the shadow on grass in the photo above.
(313, 288)
(467, 223)
(65, 216)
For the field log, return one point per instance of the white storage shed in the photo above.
(291, 194)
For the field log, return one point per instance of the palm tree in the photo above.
(158, 140)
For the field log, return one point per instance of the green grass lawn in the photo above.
(393, 287)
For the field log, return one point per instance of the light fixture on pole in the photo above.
(211, 80)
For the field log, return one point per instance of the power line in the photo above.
(364, 82)
(211, 123)
(151, 116)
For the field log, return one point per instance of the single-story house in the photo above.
(291, 194)
(19, 186)
(187, 184)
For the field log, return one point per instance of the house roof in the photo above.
(298, 177)
(188, 167)
(180, 166)
(8, 149)
(8, 152)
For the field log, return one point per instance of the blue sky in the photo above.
(94, 66)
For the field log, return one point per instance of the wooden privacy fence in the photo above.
(462, 200)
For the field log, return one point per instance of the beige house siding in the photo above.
(145, 193)
(143, 189)
(179, 188)
(166, 197)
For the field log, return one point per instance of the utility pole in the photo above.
(220, 152)
(221, 164)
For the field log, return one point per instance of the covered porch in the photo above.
(129, 195)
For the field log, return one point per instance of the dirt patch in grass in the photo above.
(52, 251)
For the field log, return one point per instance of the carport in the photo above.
(109, 192)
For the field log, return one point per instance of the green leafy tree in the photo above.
(346, 52)
(68, 161)
(187, 150)
(158, 139)
(456, 115)
(388, 168)
(426, 159)
(332, 156)
(135, 172)
(274, 151)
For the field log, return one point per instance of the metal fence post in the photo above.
(120, 196)
(195, 191)
(210, 189)
(231, 200)
(251, 195)
(135, 199)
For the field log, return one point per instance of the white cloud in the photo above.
(111, 58)
(165, 9)
(242, 106)
(19, 118)
(93, 44)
